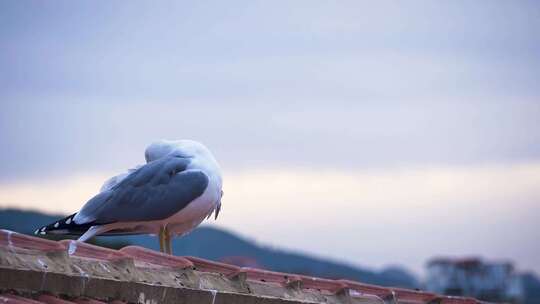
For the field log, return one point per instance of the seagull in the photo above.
(179, 186)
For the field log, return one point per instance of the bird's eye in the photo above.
(222, 193)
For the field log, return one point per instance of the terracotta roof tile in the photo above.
(211, 266)
(50, 299)
(154, 257)
(14, 299)
(266, 275)
(88, 301)
(133, 274)
(22, 241)
(86, 250)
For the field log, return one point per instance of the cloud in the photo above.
(84, 89)
(92, 136)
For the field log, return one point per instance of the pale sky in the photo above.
(375, 133)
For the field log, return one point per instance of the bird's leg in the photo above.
(167, 241)
(162, 239)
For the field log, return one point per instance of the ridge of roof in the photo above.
(36, 270)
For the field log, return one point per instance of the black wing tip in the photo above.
(63, 226)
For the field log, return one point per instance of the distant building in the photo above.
(476, 278)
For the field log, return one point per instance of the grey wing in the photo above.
(154, 191)
(113, 181)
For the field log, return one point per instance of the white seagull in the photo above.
(179, 186)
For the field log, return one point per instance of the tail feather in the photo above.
(65, 226)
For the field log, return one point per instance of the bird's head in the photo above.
(182, 148)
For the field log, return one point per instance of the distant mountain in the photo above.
(25, 221)
(217, 244)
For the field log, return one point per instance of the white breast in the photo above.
(193, 214)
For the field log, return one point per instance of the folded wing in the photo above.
(155, 191)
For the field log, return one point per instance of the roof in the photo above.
(35, 270)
